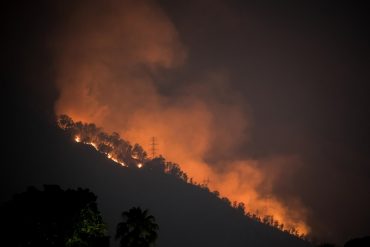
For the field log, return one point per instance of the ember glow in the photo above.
(113, 85)
(115, 148)
(119, 162)
(92, 144)
(77, 139)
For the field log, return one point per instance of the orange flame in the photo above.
(77, 139)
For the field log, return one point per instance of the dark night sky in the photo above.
(299, 71)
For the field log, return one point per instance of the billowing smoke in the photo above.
(114, 64)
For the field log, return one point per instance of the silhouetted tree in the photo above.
(138, 153)
(88, 229)
(268, 220)
(138, 229)
(157, 164)
(104, 148)
(52, 217)
(65, 122)
(175, 170)
(226, 200)
(216, 193)
(241, 208)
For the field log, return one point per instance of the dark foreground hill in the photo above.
(39, 153)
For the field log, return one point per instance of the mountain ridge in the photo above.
(187, 215)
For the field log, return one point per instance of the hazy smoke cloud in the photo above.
(110, 57)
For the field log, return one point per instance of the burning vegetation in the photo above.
(113, 146)
(124, 154)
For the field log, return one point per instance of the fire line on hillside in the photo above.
(124, 154)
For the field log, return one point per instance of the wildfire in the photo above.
(119, 162)
(230, 185)
(77, 139)
(92, 144)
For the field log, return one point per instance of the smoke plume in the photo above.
(113, 64)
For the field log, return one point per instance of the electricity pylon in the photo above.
(153, 148)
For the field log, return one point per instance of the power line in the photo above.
(153, 147)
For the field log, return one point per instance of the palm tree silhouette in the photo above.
(138, 229)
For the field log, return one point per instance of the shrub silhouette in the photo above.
(53, 217)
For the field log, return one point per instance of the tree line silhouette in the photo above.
(53, 217)
(69, 218)
(112, 145)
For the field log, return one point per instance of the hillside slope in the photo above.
(186, 214)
